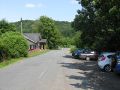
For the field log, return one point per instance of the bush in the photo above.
(13, 45)
(73, 49)
(6, 27)
(66, 41)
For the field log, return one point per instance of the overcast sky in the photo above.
(62, 10)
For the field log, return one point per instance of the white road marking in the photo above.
(42, 74)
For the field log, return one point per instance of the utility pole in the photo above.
(21, 27)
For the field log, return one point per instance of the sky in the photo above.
(61, 10)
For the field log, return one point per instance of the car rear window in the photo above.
(110, 56)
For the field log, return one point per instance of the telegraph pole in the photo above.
(21, 27)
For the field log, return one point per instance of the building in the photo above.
(35, 41)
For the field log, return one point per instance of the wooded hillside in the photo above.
(63, 26)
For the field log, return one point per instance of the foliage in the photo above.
(10, 61)
(66, 41)
(72, 49)
(13, 45)
(65, 28)
(77, 41)
(30, 54)
(99, 22)
(27, 26)
(46, 27)
(5, 27)
(67, 33)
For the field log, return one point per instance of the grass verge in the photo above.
(31, 54)
(37, 52)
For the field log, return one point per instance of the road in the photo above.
(56, 70)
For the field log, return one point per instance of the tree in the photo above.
(65, 28)
(77, 41)
(5, 27)
(66, 41)
(99, 22)
(48, 30)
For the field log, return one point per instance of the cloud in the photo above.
(40, 5)
(74, 2)
(31, 5)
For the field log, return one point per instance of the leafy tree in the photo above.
(48, 30)
(13, 45)
(5, 27)
(77, 42)
(99, 22)
(66, 41)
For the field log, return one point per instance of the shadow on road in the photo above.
(90, 77)
(68, 56)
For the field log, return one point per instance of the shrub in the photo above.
(72, 49)
(14, 45)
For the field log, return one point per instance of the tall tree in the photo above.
(5, 26)
(99, 21)
(46, 27)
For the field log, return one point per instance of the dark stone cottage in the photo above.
(35, 41)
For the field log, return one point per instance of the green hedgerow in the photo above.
(13, 45)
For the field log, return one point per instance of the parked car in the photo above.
(76, 53)
(117, 63)
(88, 54)
(105, 61)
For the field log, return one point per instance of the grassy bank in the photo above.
(31, 54)
(37, 52)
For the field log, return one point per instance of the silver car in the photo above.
(89, 55)
(105, 61)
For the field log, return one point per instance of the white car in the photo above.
(105, 61)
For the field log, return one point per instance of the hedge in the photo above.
(13, 45)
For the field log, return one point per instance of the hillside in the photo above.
(63, 26)
(27, 25)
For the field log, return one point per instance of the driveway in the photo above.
(56, 70)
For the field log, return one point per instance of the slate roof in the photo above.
(29, 39)
(43, 41)
(34, 37)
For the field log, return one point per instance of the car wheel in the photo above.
(107, 68)
(87, 58)
(76, 57)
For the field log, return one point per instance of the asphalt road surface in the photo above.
(57, 70)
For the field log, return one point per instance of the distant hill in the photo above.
(63, 26)
(27, 25)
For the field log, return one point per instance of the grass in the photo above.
(37, 52)
(10, 61)
(31, 54)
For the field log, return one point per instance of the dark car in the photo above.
(76, 53)
(88, 54)
(116, 63)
